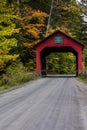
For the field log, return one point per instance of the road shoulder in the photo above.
(82, 93)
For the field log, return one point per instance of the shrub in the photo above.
(17, 73)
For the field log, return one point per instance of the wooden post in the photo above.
(38, 63)
(80, 62)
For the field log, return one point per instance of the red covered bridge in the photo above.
(57, 42)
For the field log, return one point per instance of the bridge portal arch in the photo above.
(57, 42)
(48, 50)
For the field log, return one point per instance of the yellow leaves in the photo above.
(8, 31)
(71, 56)
(1, 51)
(66, 7)
(7, 44)
(74, 9)
(8, 35)
(6, 58)
(5, 47)
(63, 29)
(34, 25)
(2, 64)
(27, 45)
(32, 31)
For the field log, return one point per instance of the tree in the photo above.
(32, 30)
(32, 24)
(8, 39)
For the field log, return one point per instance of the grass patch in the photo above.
(83, 79)
(16, 75)
(4, 87)
(16, 83)
(83, 76)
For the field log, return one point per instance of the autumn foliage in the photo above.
(24, 23)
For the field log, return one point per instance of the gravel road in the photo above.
(44, 104)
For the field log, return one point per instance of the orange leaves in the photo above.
(33, 34)
(33, 23)
(39, 16)
(34, 16)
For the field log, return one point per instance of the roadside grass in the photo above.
(83, 79)
(4, 87)
(15, 83)
(15, 76)
(83, 76)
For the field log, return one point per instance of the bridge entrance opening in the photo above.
(59, 62)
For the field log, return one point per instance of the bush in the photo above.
(16, 74)
(31, 65)
(1, 80)
(83, 76)
(83, 73)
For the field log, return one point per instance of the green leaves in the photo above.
(61, 63)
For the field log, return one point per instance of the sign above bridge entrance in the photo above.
(58, 39)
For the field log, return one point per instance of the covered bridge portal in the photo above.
(57, 42)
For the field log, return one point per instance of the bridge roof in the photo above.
(55, 33)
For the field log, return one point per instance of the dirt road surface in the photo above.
(45, 104)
